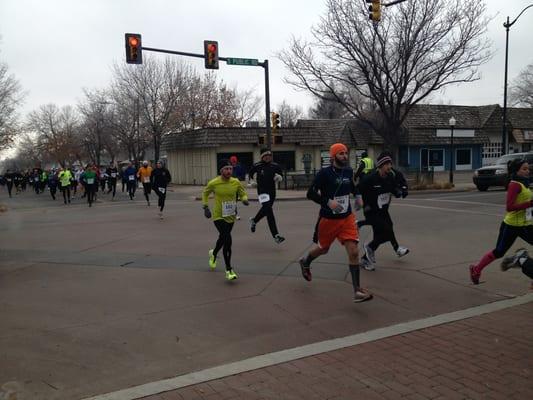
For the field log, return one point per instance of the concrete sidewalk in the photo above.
(489, 356)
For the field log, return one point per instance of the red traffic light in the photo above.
(133, 48)
(211, 54)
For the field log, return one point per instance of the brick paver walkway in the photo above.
(485, 357)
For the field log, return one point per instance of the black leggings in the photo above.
(132, 185)
(147, 190)
(224, 241)
(9, 188)
(112, 186)
(91, 192)
(383, 229)
(508, 235)
(266, 211)
(66, 193)
(161, 197)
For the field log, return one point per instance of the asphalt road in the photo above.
(98, 299)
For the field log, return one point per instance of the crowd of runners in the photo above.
(371, 185)
(87, 182)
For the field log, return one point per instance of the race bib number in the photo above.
(36, 179)
(529, 214)
(113, 174)
(9, 179)
(146, 180)
(90, 181)
(263, 198)
(383, 199)
(229, 208)
(131, 177)
(162, 190)
(344, 202)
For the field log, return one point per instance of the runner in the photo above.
(144, 174)
(376, 189)
(130, 173)
(160, 179)
(53, 181)
(9, 178)
(366, 165)
(520, 259)
(90, 179)
(331, 189)
(268, 173)
(225, 189)
(112, 176)
(74, 181)
(518, 220)
(65, 179)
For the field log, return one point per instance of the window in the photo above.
(492, 150)
(463, 159)
(285, 159)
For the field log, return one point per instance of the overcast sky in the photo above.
(57, 47)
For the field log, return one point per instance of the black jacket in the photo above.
(265, 176)
(160, 177)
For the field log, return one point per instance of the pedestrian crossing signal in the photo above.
(133, 48)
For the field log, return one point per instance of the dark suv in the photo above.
(496, 175)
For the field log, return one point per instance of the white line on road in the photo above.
(313, 349)
(448, 209)
(463, 202)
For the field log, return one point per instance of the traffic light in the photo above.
(134, 53)
(375, 10)
(274, 117)
(211, 54)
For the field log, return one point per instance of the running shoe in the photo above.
(361, 295)
(238, 217)
(279, 239)
(402, 251)
(160, 213)
(306, 270)
(370, 253)
(513, 261)
(212, 260)
(252, 225)
(367, 264)
(474, 275)
(231, 275)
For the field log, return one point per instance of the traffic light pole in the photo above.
(264, 64)
(267, 106)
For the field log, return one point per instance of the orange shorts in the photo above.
(343, 230)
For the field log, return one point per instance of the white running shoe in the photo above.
(367, 264)
(370, 253)
(402, 251)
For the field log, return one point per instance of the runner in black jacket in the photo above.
(159, 180)
(376, 190)
(267, 174)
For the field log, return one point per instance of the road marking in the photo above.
(463, 202)
(313, 349)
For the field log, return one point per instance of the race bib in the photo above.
(344, 202)
(90, 181)
(383, 199)
(9, 179)
(162, 190)
(131, 177)
(529, 214)
(146, 180)
(36, 179)
(113, 174)
(229, 208)
(263, 198)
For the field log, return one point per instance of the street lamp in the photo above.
(451, 122)
(507, 25)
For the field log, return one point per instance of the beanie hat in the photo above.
(384, 158)
(233, 159)
(265, 152)
(336, 148)
(223, 163)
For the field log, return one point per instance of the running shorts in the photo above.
(343, 230)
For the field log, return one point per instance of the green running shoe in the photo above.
(212, 260)
(231, 275)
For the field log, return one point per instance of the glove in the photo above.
(207, 212)
(398, 193)
(358, 202)
(337, 208)
(404, 192)
(252, 184)
(246, 202)
(278, 178)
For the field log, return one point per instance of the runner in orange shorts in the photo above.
(331, 189)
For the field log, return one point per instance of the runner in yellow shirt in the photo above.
(144, 174)
(226, 188)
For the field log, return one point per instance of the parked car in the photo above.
(496, 175)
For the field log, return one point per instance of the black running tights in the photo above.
(224, 241)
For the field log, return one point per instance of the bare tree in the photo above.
(328, 107)
(159, 86)
(56, 131)
(248, 105)
(288, 115)
(11, 97)
(521, 90)
(379, 71)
